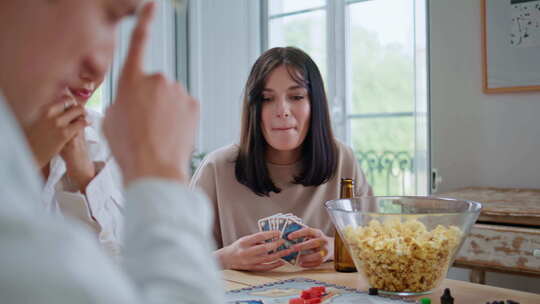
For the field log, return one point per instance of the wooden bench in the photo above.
(506, 237)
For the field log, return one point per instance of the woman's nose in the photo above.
(282, 109)
(94, 68)
(87, 76)
(96, 64)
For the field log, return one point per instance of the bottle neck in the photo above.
(347, 191)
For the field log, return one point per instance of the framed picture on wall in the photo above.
(510, 45)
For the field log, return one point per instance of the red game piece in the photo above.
(321, 289)
(306, 294)
(297, 301)
(315, 293)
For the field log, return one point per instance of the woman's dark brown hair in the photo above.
(319, 154)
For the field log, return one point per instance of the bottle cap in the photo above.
(347, 180)
(425, 301)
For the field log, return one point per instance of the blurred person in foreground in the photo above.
(150, 130)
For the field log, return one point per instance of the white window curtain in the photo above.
(161, 50)
(224, 42)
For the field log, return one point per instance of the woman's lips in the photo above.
(81, 93)
(283, 129)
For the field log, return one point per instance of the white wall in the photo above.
(224, 43)
(478, 139)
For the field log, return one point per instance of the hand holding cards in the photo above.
(285, 224)
(255, 252)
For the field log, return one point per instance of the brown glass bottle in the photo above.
(342, 259)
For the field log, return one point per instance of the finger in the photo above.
(70, 115)
(260, 237)
(263, 249)
(78, 134)
(274, 256)
(267, 267)
(60, 106)
(310, 244)
(180, 89)
(316, 257)
(72, 129)
(310, 265)
(305, 232)
(134, 60)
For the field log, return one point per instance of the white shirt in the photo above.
(101, 207)
(167, 252)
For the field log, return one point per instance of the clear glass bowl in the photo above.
(403, 245)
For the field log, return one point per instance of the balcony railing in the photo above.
(388, 172)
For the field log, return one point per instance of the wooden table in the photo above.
(506, 237)
(463, 292)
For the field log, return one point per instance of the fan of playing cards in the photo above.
(285, 224)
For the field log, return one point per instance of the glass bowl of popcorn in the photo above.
(403, 245)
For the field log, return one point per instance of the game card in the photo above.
(290, 226)
(285, 224)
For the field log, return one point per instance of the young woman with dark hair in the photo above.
(288, 161)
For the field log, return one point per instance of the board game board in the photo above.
(282, 291)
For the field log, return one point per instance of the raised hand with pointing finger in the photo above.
(151, 125)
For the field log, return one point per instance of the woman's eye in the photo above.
(298, 97)
(266, 99)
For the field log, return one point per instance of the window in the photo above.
(101, 97)
(301, 24)
(96, 101)
(372, 54)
